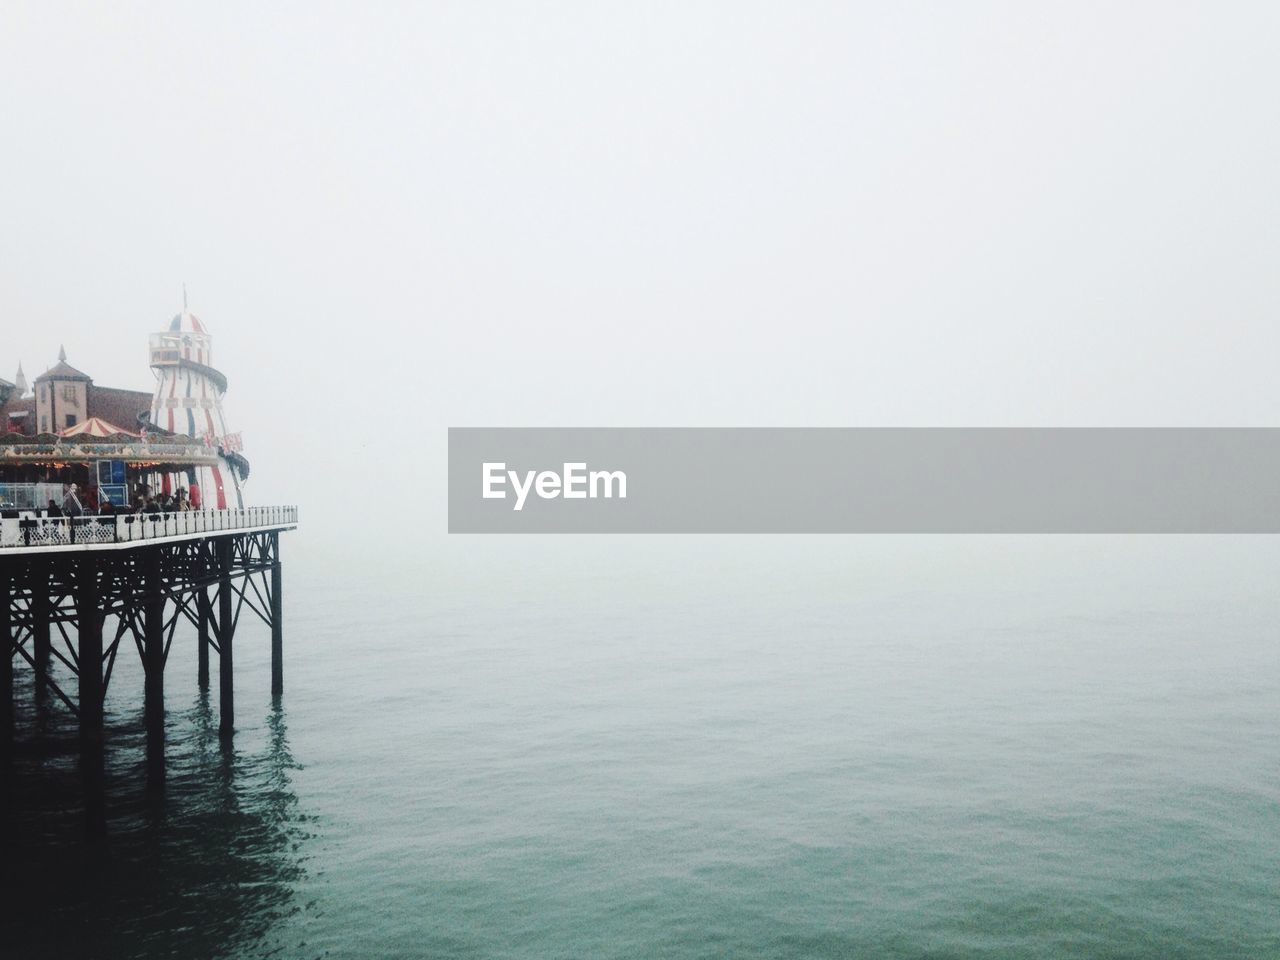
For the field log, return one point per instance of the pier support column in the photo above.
(6, 659)
(277, 621)
(204, 612)
(226, 627)
(89, 615)
(153, 663)
(40, 622)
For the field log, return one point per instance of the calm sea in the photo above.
(695, 747)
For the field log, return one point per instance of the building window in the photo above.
(69, 391)
(44, 424)
(71, 419)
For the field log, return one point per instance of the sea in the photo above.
(690, 747)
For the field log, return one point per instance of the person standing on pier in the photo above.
(71, 505)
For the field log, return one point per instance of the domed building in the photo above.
(63, 398)
(188, 398)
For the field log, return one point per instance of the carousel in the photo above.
(115, 470)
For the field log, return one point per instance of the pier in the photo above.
(77, 590)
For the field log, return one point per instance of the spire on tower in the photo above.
(62, 354)
(20, 381)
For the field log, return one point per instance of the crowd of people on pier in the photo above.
(145, 502)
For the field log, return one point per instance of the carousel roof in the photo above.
(95, 427)
(17, 449)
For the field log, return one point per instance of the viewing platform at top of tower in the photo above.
(186, 343)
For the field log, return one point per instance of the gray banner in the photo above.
(890, 480)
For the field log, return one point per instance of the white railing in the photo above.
(34, 531)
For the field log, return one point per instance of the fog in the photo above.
(400, 218)
(396, 220)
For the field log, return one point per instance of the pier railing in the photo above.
(32, 531)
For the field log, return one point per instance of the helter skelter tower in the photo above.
(188, 402)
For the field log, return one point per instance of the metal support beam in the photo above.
(6, 659)
(153, 663)
(89, 615)
(226, 627)
(277, 621)
(204, 612)
(40, 586)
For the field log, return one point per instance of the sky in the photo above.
(400, 218)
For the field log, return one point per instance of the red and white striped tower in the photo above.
(189, 389)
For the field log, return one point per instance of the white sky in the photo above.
(399, 218)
